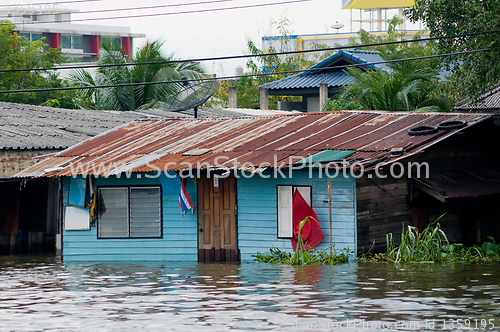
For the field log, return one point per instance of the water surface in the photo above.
(40, 293)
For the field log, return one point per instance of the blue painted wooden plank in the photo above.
(267, 229)
(133, 252)
(180, 231)
(99, 245)
(182, 237)
(336, 217)
(252, 248)
(262, 196)
(160, 243)
(336, 225)
(257, 237)
(317, 203)
(164, 257)
(120, 250)
(260, 210)
(250, 217)
(168, 224)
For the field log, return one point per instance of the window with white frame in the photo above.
(285, 203)
(129, 212)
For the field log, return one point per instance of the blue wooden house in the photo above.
(121, 189)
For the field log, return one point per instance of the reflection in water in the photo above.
(43, 293)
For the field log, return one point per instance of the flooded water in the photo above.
(45, 294)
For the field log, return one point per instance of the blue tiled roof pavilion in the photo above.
(308, 82)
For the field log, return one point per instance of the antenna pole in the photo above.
(196, 112)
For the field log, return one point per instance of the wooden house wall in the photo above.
(256, 219)
(384, 205)
(382, 208)
(257, 212)
(179, 241)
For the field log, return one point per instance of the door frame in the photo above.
(213, 254)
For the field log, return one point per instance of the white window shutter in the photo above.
(285, 222)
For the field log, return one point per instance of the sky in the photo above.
(209, 32)
(220, 33)
(213, 33)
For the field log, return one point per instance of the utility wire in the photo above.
(20, 6)
(124, 9)
(240, 76)
(174, 13)
(231, 57)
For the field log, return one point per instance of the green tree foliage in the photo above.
(405, 89)
(342, 103)
(127, 98)
(19, 53)
(247, 87)
(472, 73)
(401, 50)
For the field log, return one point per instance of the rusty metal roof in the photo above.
(145, 146)
(489, 101)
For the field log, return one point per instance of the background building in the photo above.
(370, 15)
(81, 42)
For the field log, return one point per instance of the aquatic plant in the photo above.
(489, 247)
(303, 256)
(309, 257)
(431, 245)
(418, 247)
(457, 252)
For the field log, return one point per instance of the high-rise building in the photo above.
(375, 13)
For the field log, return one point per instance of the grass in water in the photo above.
(431, 245)
(303, 256)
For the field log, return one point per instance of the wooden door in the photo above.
(217, 220)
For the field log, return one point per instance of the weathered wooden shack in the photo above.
(461, 188)
(255, 164)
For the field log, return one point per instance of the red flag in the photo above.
(311, 231)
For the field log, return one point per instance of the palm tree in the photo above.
(133, 97)
(407, 88)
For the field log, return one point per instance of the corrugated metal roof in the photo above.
(316, 75)
(488, 101)
(146, 146)
(36, 127)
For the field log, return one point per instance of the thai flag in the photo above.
(184, 200)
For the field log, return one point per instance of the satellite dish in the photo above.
(191, 96)
(337, 26)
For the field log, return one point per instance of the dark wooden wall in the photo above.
(384, 205)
